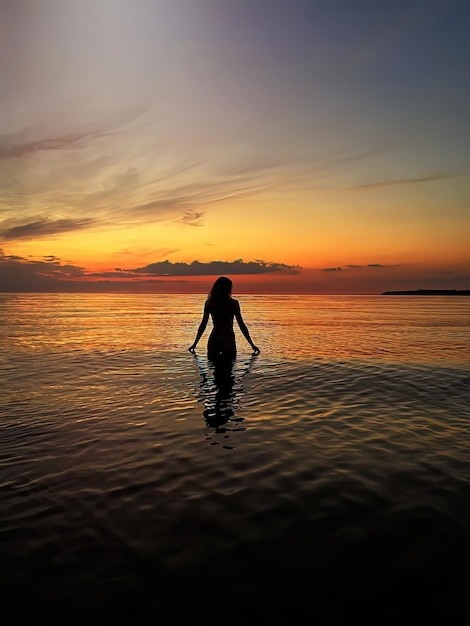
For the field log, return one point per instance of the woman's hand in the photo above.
(192, 349)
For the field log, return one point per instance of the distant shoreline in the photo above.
(429, 292)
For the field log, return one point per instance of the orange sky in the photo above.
(332, 147)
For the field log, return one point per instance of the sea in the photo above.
(325, 479)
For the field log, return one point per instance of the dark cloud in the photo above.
(333, 269)
(42, 227)
(49, 274)
(214, 268)
(19, 274)
(403, 181)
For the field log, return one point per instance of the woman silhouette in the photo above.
(222, 308)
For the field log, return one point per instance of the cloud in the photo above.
(192, 218)
(121, 181)
(345, 157)
(116, 273)
(351, 266)
(20, 274)
(49, 274)
(10, 147)
(213, 268)
(143, 252)
(42, 227)
(115, 177)
(61, 182)
(191, 196)
(403, 181)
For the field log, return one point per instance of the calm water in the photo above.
(326, 477)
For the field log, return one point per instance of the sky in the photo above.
(297, 146)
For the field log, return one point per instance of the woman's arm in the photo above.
(243, 327)
(201, 329)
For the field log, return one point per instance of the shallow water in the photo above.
(326, 475)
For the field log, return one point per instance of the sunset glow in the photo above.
(327, 143)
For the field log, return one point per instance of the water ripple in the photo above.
(320, 482)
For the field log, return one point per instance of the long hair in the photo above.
(221, 290)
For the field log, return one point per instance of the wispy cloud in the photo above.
(42, 227)
(11, 145)
(192, 218)
(144, 252)
(403, 181)
(119, 176)
(355, 266)
(124, 179)
(345, 157)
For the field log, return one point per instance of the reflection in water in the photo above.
(220, 389)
